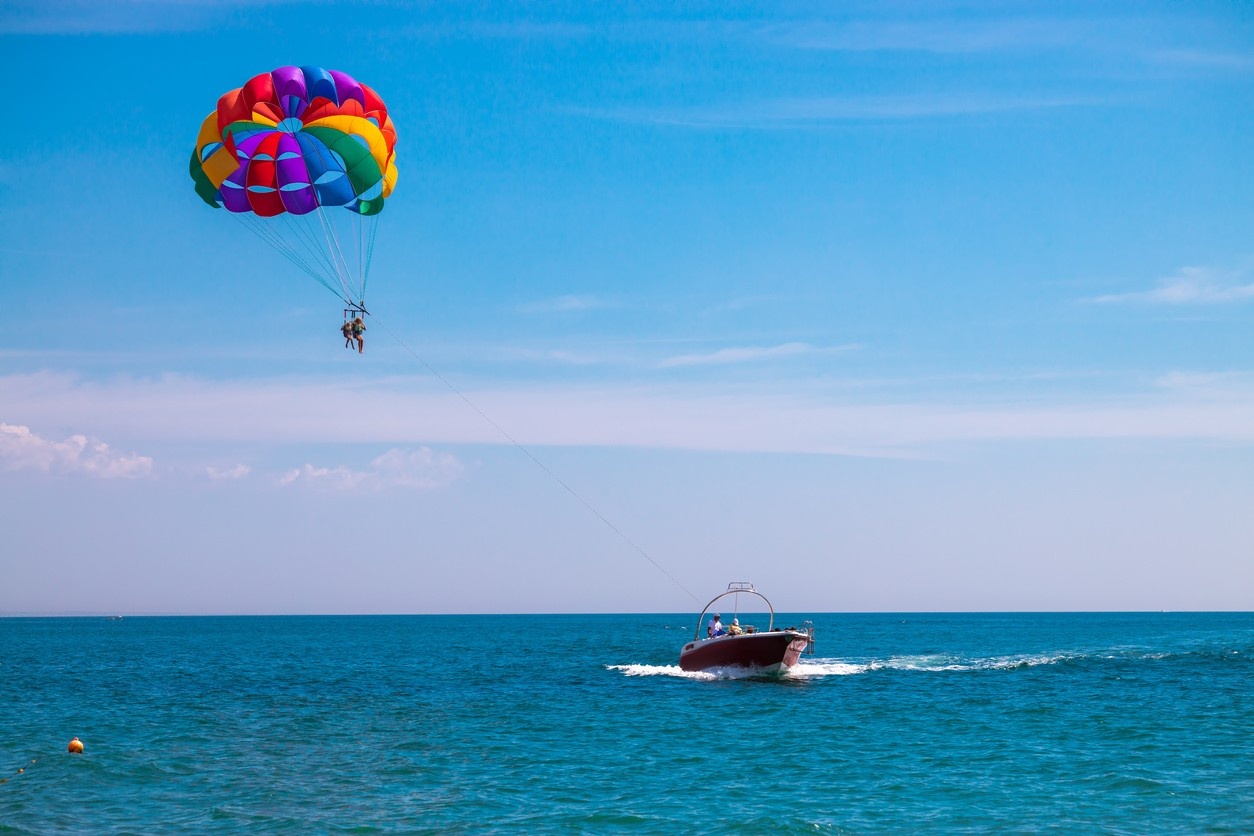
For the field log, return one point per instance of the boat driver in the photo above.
(715, 627)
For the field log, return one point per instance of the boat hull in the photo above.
(770, 652)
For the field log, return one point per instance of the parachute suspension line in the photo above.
(312, 234)
(371, 234)
(314, 246)
(357, 233)
(336, 272)
(310, 237)
(265, 233)
(304, 231)
(337, 255)
(337, 231)
(586, 504)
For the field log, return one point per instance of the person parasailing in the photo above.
(305, 158)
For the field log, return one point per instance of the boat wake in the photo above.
(802, 670)
(821, 667)
(680, 673)
(940, 662)
(930, 663)
(811, 668)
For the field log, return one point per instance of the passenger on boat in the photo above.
(715, 627)
(734, 629)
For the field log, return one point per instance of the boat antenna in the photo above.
(585, 503)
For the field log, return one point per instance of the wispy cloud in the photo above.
(747, 354)
(939, 36)
(513, 30)
(1164, 42)
(1206, 60)
(1189, 286)
(563, 304)
(82, 17)
(421, 469)
(791, 416)
(814, 111)
(567, 358)
(21, 449)
(1212, 385)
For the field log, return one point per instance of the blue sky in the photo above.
(880, 306)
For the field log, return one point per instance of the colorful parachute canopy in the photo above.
(293, 142)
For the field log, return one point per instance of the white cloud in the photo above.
(337, 477)
(506, 30)
(1189, 286)
(939, 36)
(80, 17)
(571, 358)
(226, 474)
(794, 416)
(562, 304)
(737, 355)
(808, 112)
(421, 469)
(1207, 60)
(21, 449)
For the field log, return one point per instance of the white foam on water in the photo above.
(823, 667)
(676, 671)
(929, 663)
(937, 663)
(814, 668)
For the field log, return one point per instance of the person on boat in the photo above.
(347, 330)
(734, 629)
(359, 334)
(715, 627)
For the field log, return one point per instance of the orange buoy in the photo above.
(76, 746)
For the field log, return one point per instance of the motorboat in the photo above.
(772, 650)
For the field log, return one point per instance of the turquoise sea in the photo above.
(1091, 723)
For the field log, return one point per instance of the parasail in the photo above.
(305, 157)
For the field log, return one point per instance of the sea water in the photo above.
(1118, 723)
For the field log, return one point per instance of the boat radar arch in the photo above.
(734, 588)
